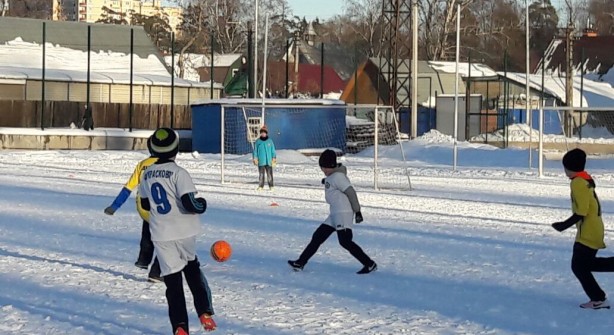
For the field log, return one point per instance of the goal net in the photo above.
(590, 128)
(302, 132)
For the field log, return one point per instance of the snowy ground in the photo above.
(466, 252)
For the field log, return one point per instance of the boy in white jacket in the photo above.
(344, 206)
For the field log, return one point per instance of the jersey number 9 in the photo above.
(158, 193)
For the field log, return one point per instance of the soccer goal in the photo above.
(374, 138)
(577, 127)
(301, 132)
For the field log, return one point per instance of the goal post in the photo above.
(365, 137)
(376, 128)
(592, 126)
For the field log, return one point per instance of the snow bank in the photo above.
(523, 133)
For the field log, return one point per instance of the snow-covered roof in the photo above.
(269, 102)
(477, 69)
(596, 94)
(192, 62)
(21, 60)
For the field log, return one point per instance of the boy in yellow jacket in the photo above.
(146, 246)
(590, 232)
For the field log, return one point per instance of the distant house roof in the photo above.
(66, 58)
(434, 78)
(73, 35)
(196, 66)
(308, 78)
(594, 94)
(596, 53)
(334, 56)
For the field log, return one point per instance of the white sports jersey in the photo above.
(164, 184)
(334, 186)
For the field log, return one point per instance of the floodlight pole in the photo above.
(414, 71)
(528, 104)
(266, 40)
(455, 151)
(255, 88)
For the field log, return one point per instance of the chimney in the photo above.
(589, 31)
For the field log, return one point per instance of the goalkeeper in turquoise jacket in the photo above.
(265, 158)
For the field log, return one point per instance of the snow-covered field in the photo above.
(465, 252)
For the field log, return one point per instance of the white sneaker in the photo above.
(596, 304)
(271, 189)
(259, 189)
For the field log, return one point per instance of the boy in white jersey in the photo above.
(167, 191)
(344, 205)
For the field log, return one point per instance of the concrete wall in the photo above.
(64, 142)
(80, 142)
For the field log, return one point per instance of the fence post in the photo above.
(131, 75)
(540, 158)
(222, 143)
(322, 71)
(375, 151)
(89, 49)
(173, 80)
(43, 77)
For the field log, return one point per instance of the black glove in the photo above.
(359, 218)
(203, 202)
(323, 181)
(109, 210)
(559, 226)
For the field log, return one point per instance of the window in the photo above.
(253, 126)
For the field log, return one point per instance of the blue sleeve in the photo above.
(255, 153)
(123, 195)
(273, 154)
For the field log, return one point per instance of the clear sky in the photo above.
(311, 9)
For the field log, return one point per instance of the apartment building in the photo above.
(92, 10)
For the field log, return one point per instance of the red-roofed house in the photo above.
(306, 81)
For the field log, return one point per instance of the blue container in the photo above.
(292, 126)
(552, 120)
(427, 118)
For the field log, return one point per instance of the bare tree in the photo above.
(601, 13)
(439, 23)
(36, 9)
(365, 20)
(4, 7)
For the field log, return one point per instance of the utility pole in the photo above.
(569, 35)
(255, 87)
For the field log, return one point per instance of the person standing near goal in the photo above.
(344, 207)
(168, 193)
(264, 158)
(590, 231)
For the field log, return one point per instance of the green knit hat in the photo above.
(165, 143)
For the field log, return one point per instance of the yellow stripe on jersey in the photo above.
(134, 181)
(584, 202)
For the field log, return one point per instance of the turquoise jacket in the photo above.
(264, 152)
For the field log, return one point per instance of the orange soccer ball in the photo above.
(221, 251)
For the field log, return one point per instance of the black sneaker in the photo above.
(296, 266)
(368, 269)
(155, 279)
(141, 265)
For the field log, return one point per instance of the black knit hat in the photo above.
(165, 143)
(328, 159)
(575, 160)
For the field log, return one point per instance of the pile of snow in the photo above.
(515, 133)
(523, 133)
(435, 136)
(354, 121)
